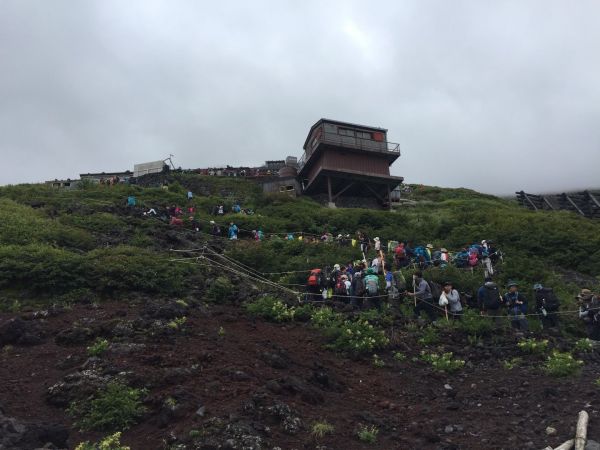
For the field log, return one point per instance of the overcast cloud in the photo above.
(495, 96)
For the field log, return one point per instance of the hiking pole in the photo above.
(446, 311)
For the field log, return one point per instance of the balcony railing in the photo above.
(353, 142)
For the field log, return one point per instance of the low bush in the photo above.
(98, 348)
(533, 346)
(112, 442)
(272, 309)
(368, 434)
(398, 356)
(357, 337)
(510, 364)
(220, 289)
(321, 429)
(117, 406)
(443, 362)
(584, 345)
(430, 336)
(562, 364)
(475, 325)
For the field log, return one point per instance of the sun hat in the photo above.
(429, 246)
(585, 294)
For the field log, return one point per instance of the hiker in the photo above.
(377, 244)
(473, 256)
(363, 239)
(444, 257)
(151, 211)
(216, 229)
(400, 256)
(489, 301)
(340, 289)
(423, 297)
(221, 210)
(232, 233)
(546, 305)
(372, 288)
(517, 307)
(589, 312)
(176, 221)
(315, 285)
(450, 300)
(461, 259)
(429, 249)
(376, 264)
(358, 287)
(195, 224)
(486, 260)
(391, 286)
(131, 201)
(422, 257)
(189, 196)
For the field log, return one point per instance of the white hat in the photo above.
(483, 242)
(212, 222)
(376, 238)
(336, 267)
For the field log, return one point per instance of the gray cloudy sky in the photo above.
(477, 93)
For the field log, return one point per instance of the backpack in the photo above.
(359, 286)
(435, 289)
(400, 252)
(491, 297)
(551, 301)
(314, 279)
(372, 287)
(473, 257)
(340, 287)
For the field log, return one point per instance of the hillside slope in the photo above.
(202, 349)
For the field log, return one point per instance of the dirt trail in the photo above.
(271, 382)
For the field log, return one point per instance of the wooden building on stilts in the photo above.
(347, 160)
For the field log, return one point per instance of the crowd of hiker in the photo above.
(371, 282)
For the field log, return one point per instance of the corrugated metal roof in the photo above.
(339, 122)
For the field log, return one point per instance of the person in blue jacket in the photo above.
(233, 231)
(517, 307)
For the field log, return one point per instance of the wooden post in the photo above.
(389, 197)
(581, 430)
(566, 445)
(329, 189)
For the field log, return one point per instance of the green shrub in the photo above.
(177, 323)
(126, 268)
(270, 308)
(584, 345)
(378, 362)
(41, 268)
(533, 346)
(221, 289)
(443, 362)
(430, 336)
(117, 406)
(112, 442)
(98, 348)
(326, 318)
(510, 364)
(562, 364)
(475, 325)
(357, 337)
(368, 434)
(320, 429)
(398, 356)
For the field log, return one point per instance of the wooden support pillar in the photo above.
(329, 189)
(389, 197)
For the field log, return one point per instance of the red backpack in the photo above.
(473, 258)
(314, 279)
(400, 252)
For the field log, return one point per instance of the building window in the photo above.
(363, 135)
(346, 132)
